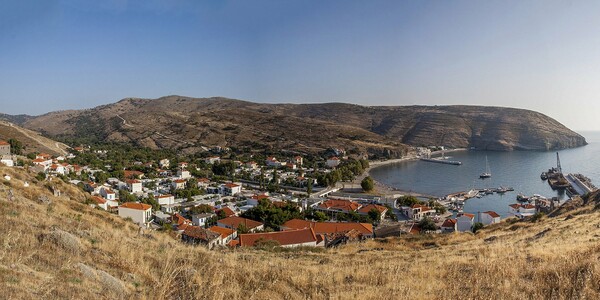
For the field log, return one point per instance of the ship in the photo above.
(487, 173)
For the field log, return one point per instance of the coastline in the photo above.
(380, 163)
(383, 189)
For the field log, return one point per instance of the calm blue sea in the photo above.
(519, 169)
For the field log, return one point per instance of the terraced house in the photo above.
(4, 148)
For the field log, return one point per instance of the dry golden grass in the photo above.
(109, 259)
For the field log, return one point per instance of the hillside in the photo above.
(32, 141)
(189, 123)
(68, 250)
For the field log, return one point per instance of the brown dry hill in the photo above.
(183, 122)
(67, 250)
(32, 141)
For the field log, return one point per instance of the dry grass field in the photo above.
(68, 250)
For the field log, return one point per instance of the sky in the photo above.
(538, 55)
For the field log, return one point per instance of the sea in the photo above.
(517, 169)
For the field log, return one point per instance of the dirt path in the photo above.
(37, 138)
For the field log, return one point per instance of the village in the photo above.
(225, 199)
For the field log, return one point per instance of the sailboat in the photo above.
(487, 173)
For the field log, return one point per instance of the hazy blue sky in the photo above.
(540, 55)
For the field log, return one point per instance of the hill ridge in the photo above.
(219, 121)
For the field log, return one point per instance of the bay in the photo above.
(518, 169)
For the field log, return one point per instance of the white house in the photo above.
(58, 169)
(203, 183)
(449, 226)
(418, 212)
(333, 162)
(513, 209)
(166, 200)
(107, 193)
(464, 222)
(184, 174)
(201, 219)
(43, 163)
(7, 161)
(139, 213)
(227, 235)
(230, 189)
(4, 148)
(489, 217)
(179, 184)
(100, 202)
(134, 186)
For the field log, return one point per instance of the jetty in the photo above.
(575, 184)
(580, 184)
(442, 161)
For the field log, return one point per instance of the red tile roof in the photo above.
(135, 205)
(98, 200)
(180, 220)
(228, 212)
(234, 222)
(260, 197)
(343, 205)
(4, 143)
(231, 185)
(423, 208)
(289, 237)
(492, 214)
(132, 181)
(197, 232)
(132, 174)
(471, 216)
(515, 206)
(449, 223)
(329, 227)
(367, 208)
(224, 232)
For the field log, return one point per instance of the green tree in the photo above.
(375, 215)
(41, 176)
(101, 177)
(16, 147)
(309, 188)
(427, 224)
(407, 201)
(367, 184)
(201, 209)
(242, 229)
(477, 226)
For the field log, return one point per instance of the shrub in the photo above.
(367, 184)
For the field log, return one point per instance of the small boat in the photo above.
(501, 190)
(488, 191)
(544, 176)
(522, 198)
(487, 173)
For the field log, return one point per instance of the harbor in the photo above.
(519, 170)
